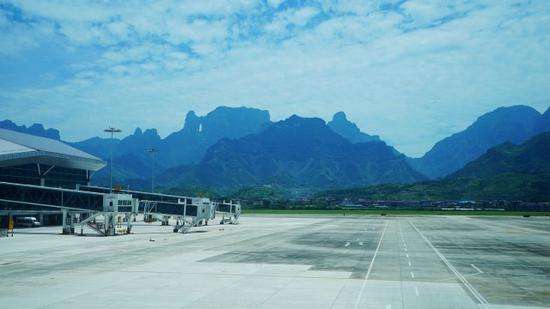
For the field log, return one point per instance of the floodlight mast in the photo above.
(111, 130)
(153, 152)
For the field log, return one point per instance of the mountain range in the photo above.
(232, 148)
(504, 172)
(296, 152)
(513, 124)
(35, 129)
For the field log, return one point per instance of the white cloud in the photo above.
(382, 66)
(291, 17)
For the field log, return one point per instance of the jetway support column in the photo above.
(68, 222)
(129, 218)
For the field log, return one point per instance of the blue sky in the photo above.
(411, 71)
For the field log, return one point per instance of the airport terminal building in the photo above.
(38, 161)
(34, 160)
(50, 180)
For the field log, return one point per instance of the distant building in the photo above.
(34, 160)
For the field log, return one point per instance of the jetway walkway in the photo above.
(15, 195)
(142, 196)
(229, 211)
(98, 209)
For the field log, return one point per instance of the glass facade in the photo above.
(58, 177)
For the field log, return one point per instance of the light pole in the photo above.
(112, 131)
(153, 151)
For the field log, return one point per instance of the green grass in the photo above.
(375, 212)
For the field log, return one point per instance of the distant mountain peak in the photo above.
(151, 132)
(349, 130)
(36, 129)
(340, 116)
(515, 124)
(192, 122)
(543, 125)
(138, 132)
(295, 119)
(295, 152)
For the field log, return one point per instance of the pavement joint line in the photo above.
(370, 266)
(342, 287)
(478, 270)
(519, 228)
(467, 284)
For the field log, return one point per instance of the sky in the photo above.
(412, 71)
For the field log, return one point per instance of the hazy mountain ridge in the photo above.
(35, 129)
(189, 144)
(505, 172)
(531, 157)
(543, 124)
(185, 146)
(513, 124)
(296, 152)
(310, 152)
(349, 130)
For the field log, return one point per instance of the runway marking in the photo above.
(416, 291)
(478, 270)
(412, 275)
(467, 284)
(370, 266)
(347, 244)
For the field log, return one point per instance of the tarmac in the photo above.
(290, 262)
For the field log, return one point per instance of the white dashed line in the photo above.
(370, 266)
(416, 291)
(460, 277)
(478, 270)
(410, 264)
(412, 275)
(347, 244)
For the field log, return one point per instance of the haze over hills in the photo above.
(35, 129)
(189, 144)
(186, 146)
(543, 124)
(296, 152)
(240, 147)
(505, 172)
(531, 157)
(349, 130)
(514, 124)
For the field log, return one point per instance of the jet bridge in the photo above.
(104, 212)
(229, 211)
(186, 215)
(188, 212)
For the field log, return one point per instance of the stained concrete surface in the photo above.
(274, 262)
